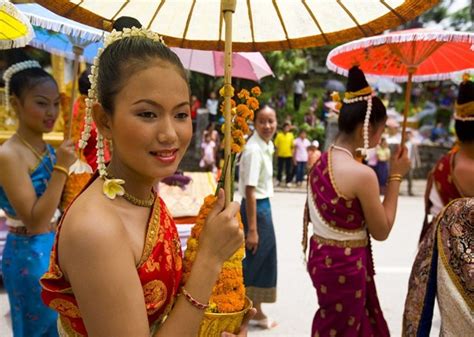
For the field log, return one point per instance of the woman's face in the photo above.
(151, 125)
(376, 134)
(266, 123)
(39, 106)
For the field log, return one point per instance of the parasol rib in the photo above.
(249, 9)
(398, 15)
(316, 22)
(221, 22)
(156, 13)
(120, 9)
(188, 21)
(339, 2)
(277, 9)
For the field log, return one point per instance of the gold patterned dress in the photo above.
(159, 270)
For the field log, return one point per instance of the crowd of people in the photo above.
(112, 265)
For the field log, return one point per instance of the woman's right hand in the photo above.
(221, 236)
(65, 154)
(400, 163)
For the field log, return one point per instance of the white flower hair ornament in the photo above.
(111, 185)
(365, 94)
(12, 70)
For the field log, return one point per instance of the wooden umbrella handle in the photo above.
(411, 71)
(228, 8)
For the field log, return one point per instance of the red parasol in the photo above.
(405, 56)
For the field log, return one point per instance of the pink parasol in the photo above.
(406, 56)
(250, 66)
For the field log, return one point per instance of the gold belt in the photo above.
(341, 243)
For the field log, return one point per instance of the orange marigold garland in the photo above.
(79, 175)
(228, 294)
(242, 113)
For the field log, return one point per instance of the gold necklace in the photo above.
(148, 203)
(36, 153)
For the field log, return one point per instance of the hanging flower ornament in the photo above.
(365, 94)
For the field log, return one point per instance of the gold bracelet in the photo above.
(61, 169)
(396, 175)
(395, 179)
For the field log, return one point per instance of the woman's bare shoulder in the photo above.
(91, 224)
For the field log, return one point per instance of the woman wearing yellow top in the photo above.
(383, 156)
(284, 149)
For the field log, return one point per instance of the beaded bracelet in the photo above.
(61, 169)
(195, 303)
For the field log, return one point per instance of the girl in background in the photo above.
(32, 178)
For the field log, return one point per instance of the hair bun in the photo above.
(356, 80)
(466, 92)
(126, 22)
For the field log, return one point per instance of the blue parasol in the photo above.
(60, 36)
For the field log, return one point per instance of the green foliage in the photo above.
(314, 133)
(443, 115)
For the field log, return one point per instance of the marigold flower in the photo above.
(243, 111)
(235, 148)
(243, 94)
(252, 103)
(236, 134)
(256, 91)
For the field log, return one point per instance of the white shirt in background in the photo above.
(256, 167)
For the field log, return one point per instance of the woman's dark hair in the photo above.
(83, 82)
(25, 80)
(465, 129)
(126, 56)
(263, 107)
(353, 114)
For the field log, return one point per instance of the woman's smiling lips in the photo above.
(165, 156)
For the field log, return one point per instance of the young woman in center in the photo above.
(345, 210)
(116, 266)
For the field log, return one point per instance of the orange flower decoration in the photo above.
(241, 114)
(253, 104)
(256, 91)
(243, 94)
(228, 294)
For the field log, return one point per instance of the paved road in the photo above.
(296, 303)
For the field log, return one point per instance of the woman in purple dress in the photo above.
(344, 208)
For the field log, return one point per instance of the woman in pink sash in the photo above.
(344, 208)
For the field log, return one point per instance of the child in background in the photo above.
(313, 154)
(300, 156)
(208, 154)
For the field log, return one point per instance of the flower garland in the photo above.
(79, 172)
(228, 294)
(353, 97)
(242, 113)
